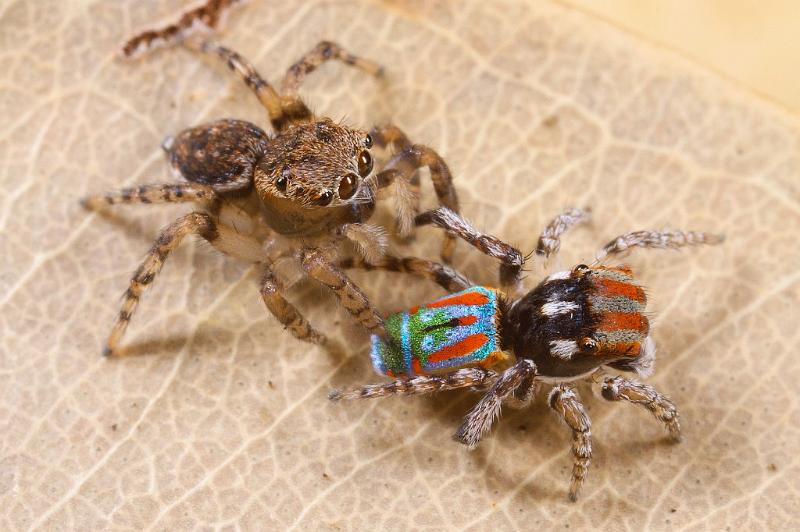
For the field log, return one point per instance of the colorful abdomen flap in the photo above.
(459, 330)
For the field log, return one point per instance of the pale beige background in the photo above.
(223, 421)
(752, 42)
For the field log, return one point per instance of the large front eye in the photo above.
(282, 180)
(347, 186)
(364, 163)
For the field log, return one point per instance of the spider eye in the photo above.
(588, 344)
(325, 198)
(364, 163)
(368, 142)
(280, 183)
(580, 269)
(347, 186)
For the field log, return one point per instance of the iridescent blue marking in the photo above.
(416, 337)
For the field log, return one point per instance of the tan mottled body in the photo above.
(298, 194)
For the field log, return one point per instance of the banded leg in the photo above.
(209, 15)
(511, 260)
(350, 296)
(402, 169)
(265, 92)
(443, 275)
(164, 193)
(390, 135)
(170, 238)
(323, 51)
(565, 401)
(524, 393)
(619, 388)
(482, 416)
(224, 238)
(462, 378)
(656, 239)
(550, 240)
(285, 312)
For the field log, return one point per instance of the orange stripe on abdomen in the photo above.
(467, 320)
(615, 321)
(467, 298)
(466, 346)
(612, 288)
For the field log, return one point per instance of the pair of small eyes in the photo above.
(347, 185)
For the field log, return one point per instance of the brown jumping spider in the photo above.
(571, 327)
(299, 193)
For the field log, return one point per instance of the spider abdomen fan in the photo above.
(456, 331)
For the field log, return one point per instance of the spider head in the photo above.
(314, 175)
(578, 320)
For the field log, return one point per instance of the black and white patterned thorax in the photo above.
(548, 323)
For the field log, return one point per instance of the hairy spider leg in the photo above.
(285, 312)
(322, 52)
(621, 389)
(288, 108)
(403, 170)
(390, 135)
(511, 259)
(421, 384)
(174, 193)
(565, 401)
(481, 418)
(222, 237)
(154, 193)
(349, 295)
(549, 242)
(265, 92)
(657, 240)
(524, 394)
(443, 275)
(228, 240)
(208, 15)
(370, 240)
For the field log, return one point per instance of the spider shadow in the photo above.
(174, 344)
(645, 446)
(129, 227)
(526, 430)
(156, 347)
(518, 430)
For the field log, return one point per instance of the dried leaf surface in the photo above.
(223, 419)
